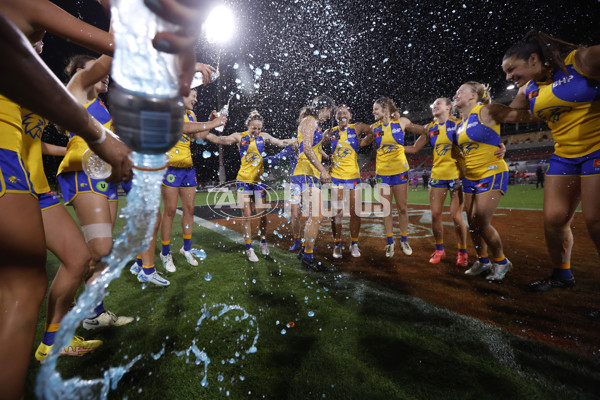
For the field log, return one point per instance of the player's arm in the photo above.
(224, 140)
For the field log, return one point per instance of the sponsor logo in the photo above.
(491, 167)
(170, 178)
(533, 94)
(102, 186)
(434, 133)
(597, 163)
(396, 130)
(483, 185)
(562, 81)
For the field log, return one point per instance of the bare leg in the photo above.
(456, 209)
(437, 196)
(23, 285)
(170, 196)
(590, 193)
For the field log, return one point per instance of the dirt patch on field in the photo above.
(558, 317)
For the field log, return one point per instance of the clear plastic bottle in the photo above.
(198, 78)
(94, 166)
(145, 103)
(224, 111)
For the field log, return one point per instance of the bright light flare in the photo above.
(219, 25)
(510, 87)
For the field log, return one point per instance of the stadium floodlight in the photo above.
(510, 87)
(219, 25)
(405, 112)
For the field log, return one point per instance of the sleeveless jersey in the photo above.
(478, 143)
(11, 128)
(344, 149)
(570, 105)
(77, 146)
(447, 158)
(389, 140)
(251, 151)
(180, 156)
(303, 165)
(31, 152)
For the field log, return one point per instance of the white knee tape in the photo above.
(96, 231)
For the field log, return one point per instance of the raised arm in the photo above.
(588, 60)
(31, 84)
(407, 125)
(200, 130)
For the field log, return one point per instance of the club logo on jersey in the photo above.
(442, 149)
(34, 125)
(388, 148)
(553, 114)
(342, 152)
(468, 147)
(170, 178)
(251, 157)
(13, 179)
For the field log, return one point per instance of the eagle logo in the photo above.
(251, 157)
(13, 179)
(553, 114)
(342, 152)
(442, 149)
(388, 148)
(467, 148)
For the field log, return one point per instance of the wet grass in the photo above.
(363, 341)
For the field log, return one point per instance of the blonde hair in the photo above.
(305, 112)
(386, 102)
(254, 116)
(482, 90)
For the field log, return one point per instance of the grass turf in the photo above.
(363, 341)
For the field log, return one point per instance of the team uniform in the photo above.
(14, 177)
(305, 175)
(33, 127)
(484, 171)
(448, 160)
(344, 169)
(181, 172)
(391, 163)
(71, 178)
(570, 105)
(251, 168)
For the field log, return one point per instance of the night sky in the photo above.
(285, 52)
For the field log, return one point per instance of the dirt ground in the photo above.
(558, 317)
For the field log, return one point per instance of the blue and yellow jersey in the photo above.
(31, 152)
(344, 149)
(77, 146)
(303, 165)
(11, 128)
(478, 143)
(389, 139)
(570, 105)
(251, 151)
(447, 158)
(180, 156)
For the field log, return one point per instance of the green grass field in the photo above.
(350, 338)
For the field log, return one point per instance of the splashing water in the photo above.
(139, 214)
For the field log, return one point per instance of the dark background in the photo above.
(354, 51)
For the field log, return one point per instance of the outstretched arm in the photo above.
(53, 150)
(279, 142)
(200, 130)
(224, 140)
(493, 114)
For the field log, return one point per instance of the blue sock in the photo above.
(439, 246)
(99, 309)
(166, 247)
(148, 270)
(187, 242)
(308, 256)
(390, 239)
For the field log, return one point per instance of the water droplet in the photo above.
(311, 314)
(208, 277)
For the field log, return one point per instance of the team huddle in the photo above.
(559, 83)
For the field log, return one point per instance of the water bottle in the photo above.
(224, 111)
(145, 103)
(94, 166)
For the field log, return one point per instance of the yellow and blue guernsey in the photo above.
(478, 143)
(33, 127)
(570, 105)
(344, 148)
(14, 178)
(77, 146)
(448, 160)
(180, 156)
(389, 139)
(251, 151)
(303, 165)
